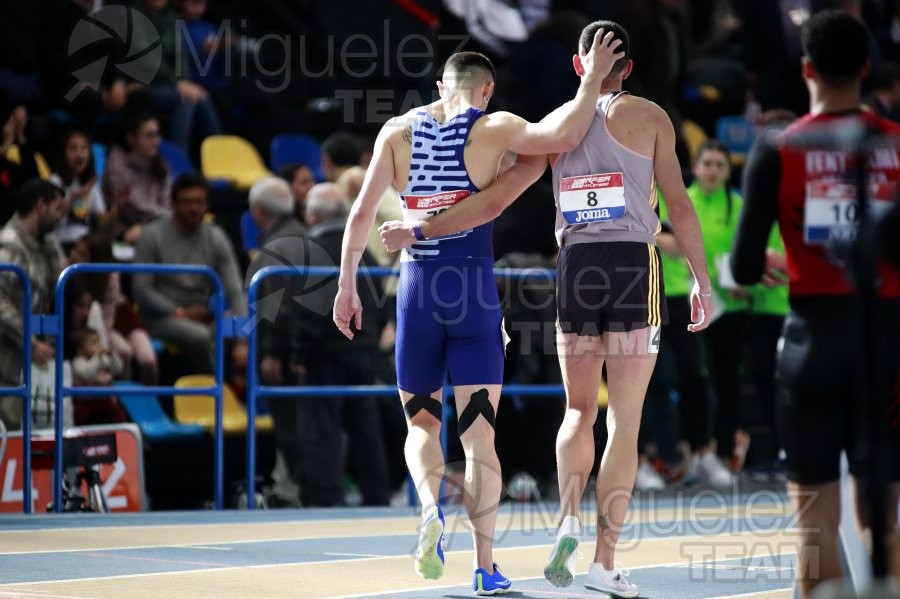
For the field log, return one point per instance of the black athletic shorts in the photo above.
(612, 286)
(817, 387)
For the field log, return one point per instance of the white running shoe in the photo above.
(648, 479)
(707, 469)
(559, 570)
(612, 582)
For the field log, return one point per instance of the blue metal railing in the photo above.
(256, 391)
(218, 309)
(24, 390)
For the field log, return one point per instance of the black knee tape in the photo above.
(423, 402)
(479, 403)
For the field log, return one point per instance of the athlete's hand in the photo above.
(701, 309)
(396, 235)
(776, 269)
(599, 60)
(347, 309)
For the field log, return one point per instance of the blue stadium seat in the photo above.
(177, 161)
(738, 135)
(250, 232)
(154, 423)
(297, 147)
(99, 152)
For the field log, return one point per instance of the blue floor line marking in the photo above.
(47, 566)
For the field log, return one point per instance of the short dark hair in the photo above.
(187, 181)
(343, 148)
(714, 145)
(837, 45)
(33, 190)
(466, 62)
(587, 40)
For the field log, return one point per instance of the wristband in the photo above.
(417, 231)
(704, 293)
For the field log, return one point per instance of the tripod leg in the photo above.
(98, 499)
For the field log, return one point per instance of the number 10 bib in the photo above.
(592, 198)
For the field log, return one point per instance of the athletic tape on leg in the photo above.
(480, 403)
(422, 402)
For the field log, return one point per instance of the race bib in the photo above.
(831, 211)
(420, 207)
(592, 198)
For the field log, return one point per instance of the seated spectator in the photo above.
(92, 364)
(84, 209)
(82, 322)
(27, 240)
(176, 308)
(136, 181)
(127, 335)
(13, 174)
(340, 151)
(301, 180)
(321, 355)
(192, 115)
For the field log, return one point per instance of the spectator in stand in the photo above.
(176, 307)
(84, 209)
(13, 174)
(301, 180)
(128, 336)
(27, 240)
(192, 113)
(136, 181)
(321, 355)
(340, 151)
(283, 242)
(87, 338)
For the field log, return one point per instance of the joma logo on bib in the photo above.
(592, 215)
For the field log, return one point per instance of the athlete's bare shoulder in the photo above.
(634, 109)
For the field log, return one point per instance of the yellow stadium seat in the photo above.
(231, 158)
(14, 156)
(199, 409)
(694, 135)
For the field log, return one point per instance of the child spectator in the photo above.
(84, 209)
(92, 365)
(127, 335)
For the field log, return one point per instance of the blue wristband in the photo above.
(417, 231)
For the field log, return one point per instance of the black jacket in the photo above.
(313, 332)
(282, 244)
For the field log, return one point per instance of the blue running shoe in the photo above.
(429, 560)
(485, 583)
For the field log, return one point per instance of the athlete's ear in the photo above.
(627, 70)
(440, 86)
(487, 92)
(576, 62)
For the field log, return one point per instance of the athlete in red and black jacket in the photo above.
(809, 189)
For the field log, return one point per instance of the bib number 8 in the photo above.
(592, 199)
